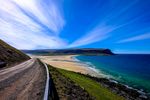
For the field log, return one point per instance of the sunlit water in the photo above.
(133, 70)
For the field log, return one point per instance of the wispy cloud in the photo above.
(107, 25)
(28, 24)
(97, 34)
(136, 38)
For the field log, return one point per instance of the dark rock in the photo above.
(2, 64)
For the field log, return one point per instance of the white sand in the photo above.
(67, 62)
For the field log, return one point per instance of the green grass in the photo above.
(91, 86)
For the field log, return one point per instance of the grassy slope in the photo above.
(11, 55)
(66, 88)
(94, 88)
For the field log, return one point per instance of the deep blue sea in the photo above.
(130, 69)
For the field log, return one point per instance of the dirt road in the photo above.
(25, 81)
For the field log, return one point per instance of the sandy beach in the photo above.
(67, 62)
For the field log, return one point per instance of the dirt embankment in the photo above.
(10, 56)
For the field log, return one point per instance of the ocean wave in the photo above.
(110, 77)
(92, 67)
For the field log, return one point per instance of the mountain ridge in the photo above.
(84, 51)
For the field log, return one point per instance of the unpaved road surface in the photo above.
(25, 81)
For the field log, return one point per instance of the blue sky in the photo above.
(120, 25)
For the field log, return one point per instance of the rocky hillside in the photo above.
(10, 56)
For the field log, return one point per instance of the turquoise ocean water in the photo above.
(132, 70)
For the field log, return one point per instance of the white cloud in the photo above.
(105, 27)
(136, 38)
(97, 34)
(25, 25)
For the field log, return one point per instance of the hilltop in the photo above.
(10, 56)
(75, 51)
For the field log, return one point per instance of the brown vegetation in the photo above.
(10, 56)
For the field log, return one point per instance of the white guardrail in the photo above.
(47, 84)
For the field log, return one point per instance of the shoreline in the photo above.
(70, 63)
(121, 89)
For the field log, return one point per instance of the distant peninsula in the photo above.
(76, 51)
